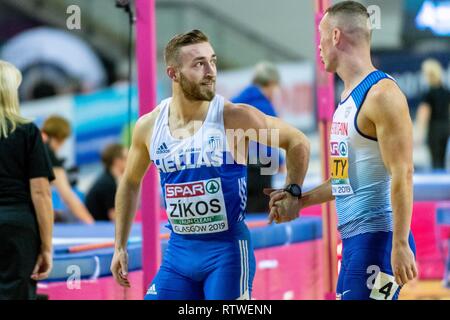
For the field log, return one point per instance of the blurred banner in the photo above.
(54, 59)
(100, 119)
(97, 119)
(39, 110)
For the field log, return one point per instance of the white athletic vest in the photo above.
(360, 181)
(204, 189)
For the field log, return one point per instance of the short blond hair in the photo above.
(432, 70)
(353, 18)
(10, 79)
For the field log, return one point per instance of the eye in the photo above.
(199, 64)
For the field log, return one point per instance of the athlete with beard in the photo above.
(199, 142)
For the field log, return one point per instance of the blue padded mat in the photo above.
(96, 263)
(432, 187)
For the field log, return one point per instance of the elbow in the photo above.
(41, 193)
(40, 188)
(299, 148)
(304, 145)
(403, 174)
(410, 173)
(41, 198)
(307, 146)
(128, 183)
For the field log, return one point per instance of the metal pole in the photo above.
(325, 103)
(146, 71)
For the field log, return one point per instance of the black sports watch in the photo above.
(294, 189)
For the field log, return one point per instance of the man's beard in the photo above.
(197, 92)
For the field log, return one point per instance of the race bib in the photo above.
(196, 207)
(384, 287)
(339, 164)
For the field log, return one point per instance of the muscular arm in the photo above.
(387, 108)
(318, 195)
(128, 190)
(69, 197)
(127, 195)
(273, 132)
(278, 134)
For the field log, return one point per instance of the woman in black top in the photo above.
(433, 113)
(26, 213)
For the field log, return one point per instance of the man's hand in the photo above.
(282, 206)
(43, 266)
(119, 267)
(403, 264)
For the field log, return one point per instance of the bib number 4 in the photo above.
(382, 285)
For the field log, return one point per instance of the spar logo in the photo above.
(212, 186)
(339, 149)
(194, 189)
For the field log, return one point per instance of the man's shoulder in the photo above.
(146, 122)
(386, 94)
(384, 90)
(242, 116)
(149, 119)
(232, 109)
(385, 99)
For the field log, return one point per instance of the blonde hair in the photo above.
(10, 79)
(432, 70)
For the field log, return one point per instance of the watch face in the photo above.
(296, 190)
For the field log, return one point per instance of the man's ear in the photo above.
(336, 36)
(172, 73)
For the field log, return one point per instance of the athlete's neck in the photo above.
(353, 68)
(186, 110)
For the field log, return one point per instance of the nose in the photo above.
(210, 70)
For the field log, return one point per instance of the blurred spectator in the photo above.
(260, 94)
(100, 198)
(55, 132)
(26, 213)
(433, 114)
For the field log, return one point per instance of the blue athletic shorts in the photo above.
(366, 271)
(220, 268)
